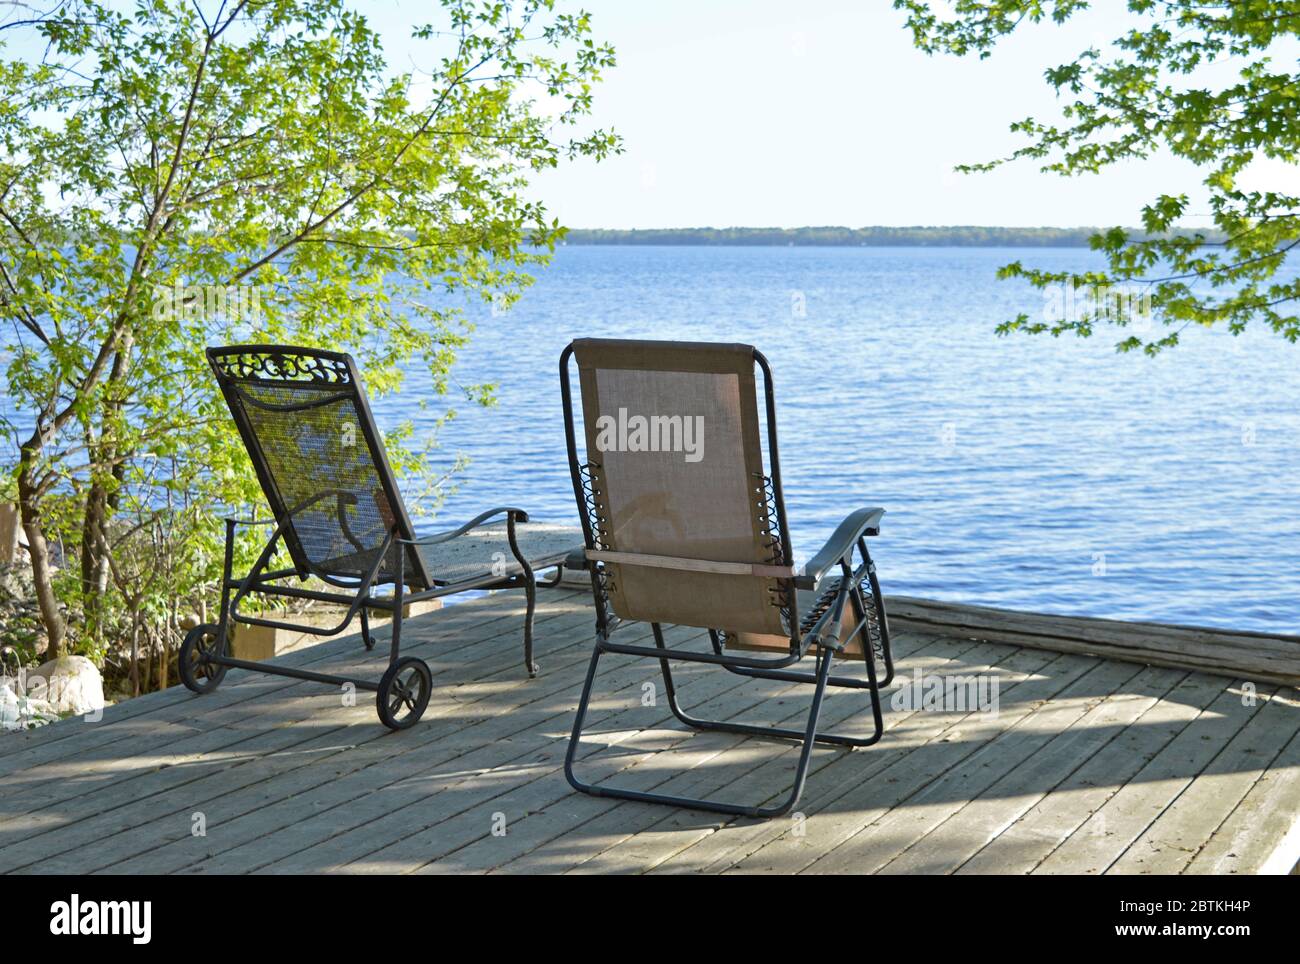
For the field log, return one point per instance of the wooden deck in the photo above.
(1091, 765)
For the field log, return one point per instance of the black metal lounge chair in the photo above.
(337, 511)
(684, 526)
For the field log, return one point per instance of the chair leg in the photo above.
(670, 690)
(399, 597)
(395, 649)
(824, 659)
(808, 736)
(530, 590)
(367, 639)
(869, 658)
(887, 649)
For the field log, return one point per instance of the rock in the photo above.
(20, 713)
(72, 684)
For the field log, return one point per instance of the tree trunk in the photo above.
(101, 499)
(56, 627)
(146, 685)
(173, 632)
(135, 654)
(164, 633)
(94, 563)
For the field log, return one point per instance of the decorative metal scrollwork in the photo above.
(286, 365)
(781, 591)
(593, 499)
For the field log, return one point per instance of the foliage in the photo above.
(1211, 81)
(185, 174)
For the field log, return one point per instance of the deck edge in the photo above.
(1262, 657)
(1285, 858)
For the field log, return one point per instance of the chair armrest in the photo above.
(512, 515)
(249, 522)
(862, 522)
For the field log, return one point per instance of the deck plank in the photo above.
(753, 778)
(227, 733)
(1108, 832)
(714, 765)
(507, 732)
(499, 710)
(408, 832)
(379, 843)
(1262, 835)
(1173, 840)
(1090, 765)
(950, 773)
(176, 702)
(972, 825)
(1022, 846)
(643, 841)
(168, 796)
(75, 737)
(882, 763)
(1020, 758)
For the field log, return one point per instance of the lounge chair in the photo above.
(683, 525)
(338, 513)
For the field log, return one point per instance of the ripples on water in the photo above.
(1015, 470)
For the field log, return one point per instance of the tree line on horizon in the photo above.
(973, 236)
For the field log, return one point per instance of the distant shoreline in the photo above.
(968, 236)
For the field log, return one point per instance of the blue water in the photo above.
(1032, 473)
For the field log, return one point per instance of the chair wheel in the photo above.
(404, 693)
(197, 670)
(369, 641)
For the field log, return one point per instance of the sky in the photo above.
(786, 113)
(816, 112)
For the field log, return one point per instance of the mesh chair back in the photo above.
(308, 429)
(682, 519)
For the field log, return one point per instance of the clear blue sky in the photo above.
(811, 112)
(822, 112)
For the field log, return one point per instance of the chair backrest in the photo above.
(305, 421)
(679, 510)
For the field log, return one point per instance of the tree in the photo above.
(1196, 78)
(196, 172)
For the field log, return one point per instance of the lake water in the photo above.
(1031, 473)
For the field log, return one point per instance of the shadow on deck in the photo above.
(1088, 766)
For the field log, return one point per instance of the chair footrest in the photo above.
(486, 550)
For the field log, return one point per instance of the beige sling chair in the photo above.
(684, 526)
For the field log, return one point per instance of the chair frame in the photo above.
(820, 632)
(364, 599)
(359, 596)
